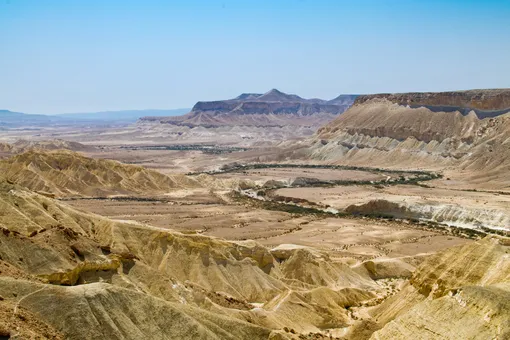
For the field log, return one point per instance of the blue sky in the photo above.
(82, 56)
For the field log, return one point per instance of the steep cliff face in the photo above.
(273, 108)
(382, 118)
(468, 130)
(486, 102)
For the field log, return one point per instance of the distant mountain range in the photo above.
(15, 119)
(273, 108)
(10, 119)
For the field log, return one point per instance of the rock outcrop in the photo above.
(81, 276)
(86, 276)
(460, 293)
(273, 108)
(468, 130)
(485, 103)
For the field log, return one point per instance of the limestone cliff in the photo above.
(484, 102)
(468, 130)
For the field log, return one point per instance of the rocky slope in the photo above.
(250, 119)
(461, 293)
(83, 276)
(467, 130)
(46, 242)
(66, 273)
(22, 145)
(273, 108)
(485, 103)
(65, 173)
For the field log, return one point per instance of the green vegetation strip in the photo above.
(205, 148)
(415, 178)
(310, 211)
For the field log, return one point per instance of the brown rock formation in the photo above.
(484, 101)
(273, 108)
(466, 129)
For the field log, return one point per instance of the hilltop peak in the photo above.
(274, 91)
(275, 95)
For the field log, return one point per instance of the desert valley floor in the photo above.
(129, 232)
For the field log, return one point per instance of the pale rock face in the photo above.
(490, 100)
(126, 280)
(91, 277)
(453, 214)
(463, 292)
(467, 130)
(473, 312)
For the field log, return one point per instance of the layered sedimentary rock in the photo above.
(81, 276)
(273, 108)
(466, 129)
(484, 102)
(250, 119)
(84, 276)
(461, 293)
(65, 173)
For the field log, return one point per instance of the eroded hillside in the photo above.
(78, 275)
(376, 228)
(249, 119)
(273, 108)
(126, 280)
(465, 131)
(65, 173)
(445, 300)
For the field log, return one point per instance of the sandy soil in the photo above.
(360, 239)
(205, 213)
(342, 197)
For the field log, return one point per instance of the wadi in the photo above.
(390, 220)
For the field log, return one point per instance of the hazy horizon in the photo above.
(88, 56)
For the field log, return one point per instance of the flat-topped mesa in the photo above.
(485, 103)
(468, 129)
(217, 105)
(273, 108)
(344, 99)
